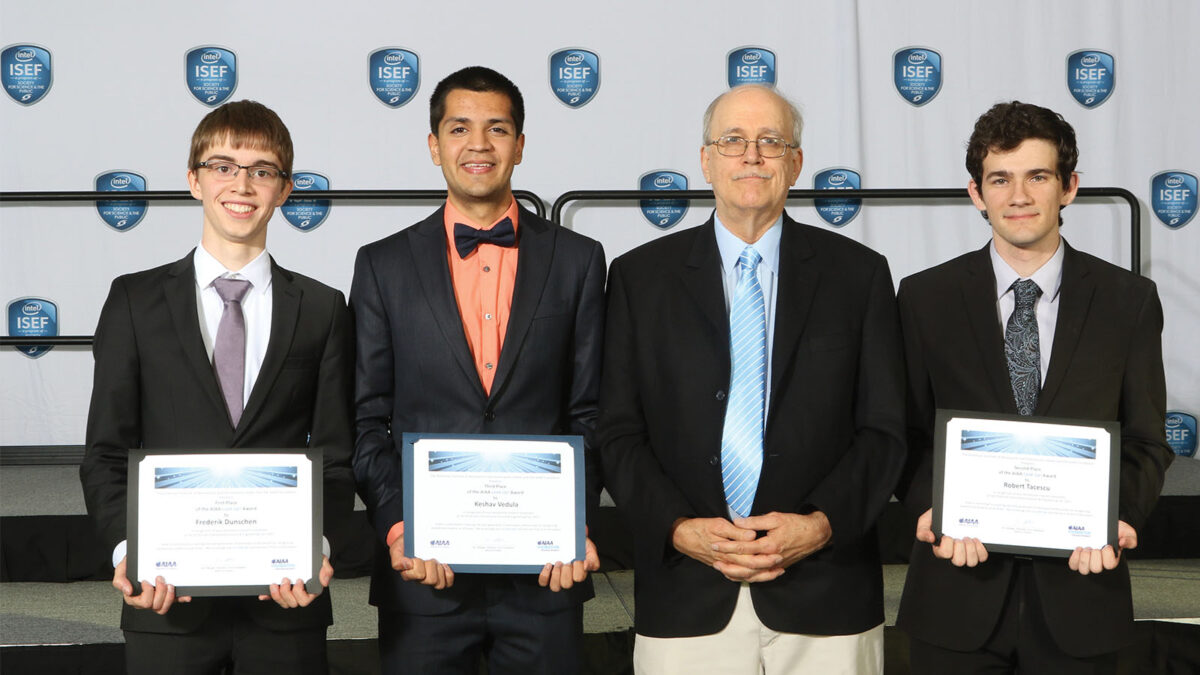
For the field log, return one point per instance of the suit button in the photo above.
(720, 394)
(488, 416)
(715, 460)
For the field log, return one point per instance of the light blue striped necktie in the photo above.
(742, 438)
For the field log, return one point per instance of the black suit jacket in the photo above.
(1105, 364)
(415, 373)
(155, 388)
(834, 432)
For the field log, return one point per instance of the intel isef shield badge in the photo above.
(663, 213)
(306, 214)
(211, 74)
(574, 76)
(394, 76)
(32, 317)
(121, 214)
(1173, 198)
(1181, 433)
(1090, 76)
(917, 73)
(750, 65)
(27, 75)
(837, 212)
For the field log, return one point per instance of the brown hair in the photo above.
(243, 124)
(1006, 125)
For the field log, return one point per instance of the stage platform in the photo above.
(59, 613)
(72, 627)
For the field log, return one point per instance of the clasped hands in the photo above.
(159, 596)
(970, 552)
(557, 576)
(736, 550)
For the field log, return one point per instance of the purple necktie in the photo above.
(229, 350)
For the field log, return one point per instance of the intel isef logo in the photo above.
(121, 215)
(750, 65)
(27, 75)
(211, 74)
(917, 74)
(574, 76)
(306, 214)
(32, 317)
(1181, 433)
(1173, 198)
(394, 75)
(837, 212)
(1090, 76)
(663, 213)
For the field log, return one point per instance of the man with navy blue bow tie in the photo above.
(481, 319)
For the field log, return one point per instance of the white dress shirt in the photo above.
(256, 307)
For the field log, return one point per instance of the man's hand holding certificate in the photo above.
(493, 504)
(225, 523)
(1032, 486)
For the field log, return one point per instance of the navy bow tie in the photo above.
(467, 238)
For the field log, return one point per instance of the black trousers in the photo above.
(1020, 644)
(514, 640)
(228, 641)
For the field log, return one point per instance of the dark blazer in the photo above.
(415, 373)
(1105, 364)
(834, 431)
(155, 388)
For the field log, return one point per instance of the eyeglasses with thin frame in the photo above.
(769, 147)
(263, 174)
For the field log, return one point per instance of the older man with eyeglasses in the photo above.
(752, 420)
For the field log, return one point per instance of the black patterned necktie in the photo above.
(1022, 348)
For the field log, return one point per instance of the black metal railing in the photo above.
(902, 194)
(530, 198)
(72, 454)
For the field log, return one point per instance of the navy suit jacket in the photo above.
(415, 373)
(155, 388)
(1105, 365)
(834, 430)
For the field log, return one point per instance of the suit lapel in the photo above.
(180, 292)
(979, 306)
(285, 313)
(702, 278)
(1075, 297)
(535, 252)
(798, 281)
(433, 274)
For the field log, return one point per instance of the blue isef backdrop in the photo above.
(107, 100)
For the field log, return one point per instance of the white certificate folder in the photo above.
(222, 522)
(1026, 485)
(491, 503)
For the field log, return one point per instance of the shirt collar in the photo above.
(731, 247)
(208, 268)
(453, 215)
(1048, 277)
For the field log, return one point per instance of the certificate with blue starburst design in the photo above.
(1026, 485)
(493, 503)
(225, 523)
